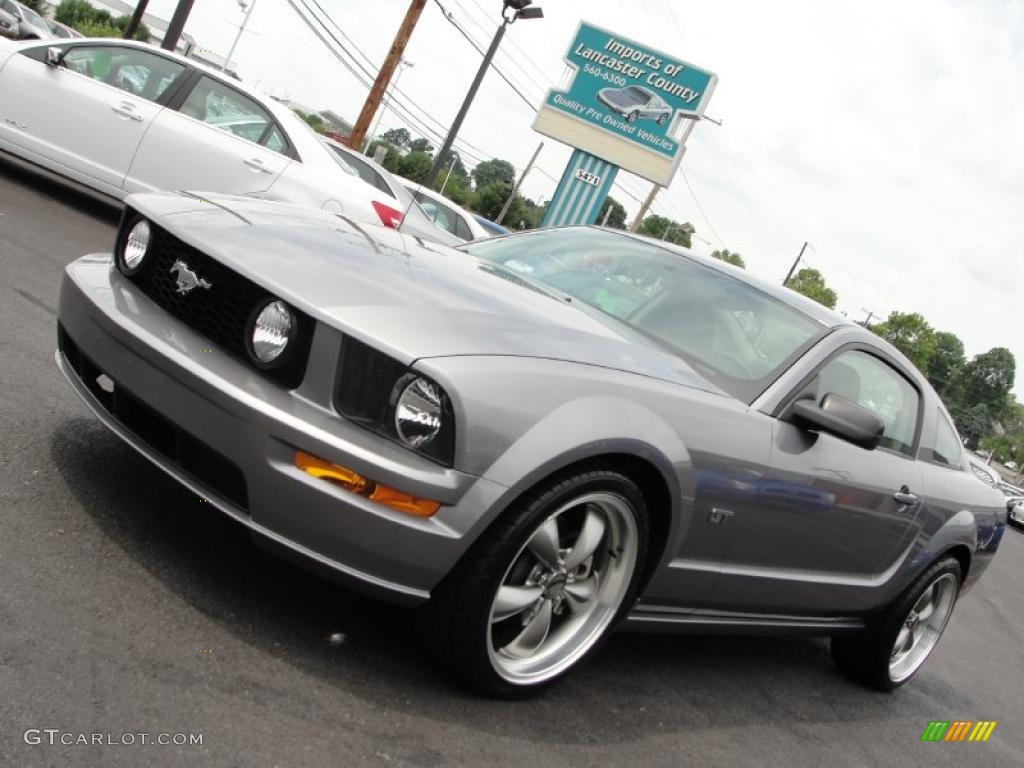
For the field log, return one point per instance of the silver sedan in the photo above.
(535, 438)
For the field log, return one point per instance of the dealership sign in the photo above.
(628, 104)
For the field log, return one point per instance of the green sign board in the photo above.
(639, 99)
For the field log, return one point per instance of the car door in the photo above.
(87, 115)
(217, 140)
(830, 519)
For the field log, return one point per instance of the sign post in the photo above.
(627, 106)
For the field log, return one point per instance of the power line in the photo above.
(701, 209)
(451, 20)
(526, 56)
(501, 52)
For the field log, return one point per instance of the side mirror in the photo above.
(842, 418)
(54, 56)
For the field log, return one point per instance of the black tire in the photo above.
(660, 120)
(865, 657)
(456, 622)
(632, 116)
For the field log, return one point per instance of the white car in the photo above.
(121, 116)
(447, 215)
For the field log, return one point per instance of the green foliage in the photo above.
(988, 379)
(946, 363)
(730, 257)
(414, 166)
(491, 171)
(315, 122)
(390, 161)
(93, 22)
(491, 198)
(421, 145)
(911, 334)
(666, 229)
(617, 218)
(397, 137)
(973, 423)
(811, 284)
(1004, 448)
(33, 5)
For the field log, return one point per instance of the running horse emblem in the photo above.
(187, 279)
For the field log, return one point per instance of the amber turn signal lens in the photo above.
(352, 481)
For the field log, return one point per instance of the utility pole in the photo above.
(867, 320)
(644, 208)
(793, 268)
(177, 25)
(607, 215)
(526, 170)
(387, 69)
(519, 11)
(241, 29)
(135, 20)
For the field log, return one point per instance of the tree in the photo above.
(973, 423)
(458, 174)
(93, 22)
(391, 156)
(988, 379)
(414, 166)
(811, 284)
(946, 363)
(617, 217)
(34, 5)
(490, 171)
(490, 199)
(666, 229)
(731, 257)
(911, 334)
(421, 145)
(397, 137)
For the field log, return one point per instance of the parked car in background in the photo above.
(446, 214)
(415, 220)
(493, 229)
(28, 24)
(121, 116)
(62, 30)
(634, 102)
(8, 23)
(535, 437)
(1011, 465)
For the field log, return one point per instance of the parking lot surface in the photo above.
(128, 605)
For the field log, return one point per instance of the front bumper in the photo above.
(230, 435)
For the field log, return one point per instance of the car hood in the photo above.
(407, 297)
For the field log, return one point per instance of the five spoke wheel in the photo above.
(922, 627)
(563, 588)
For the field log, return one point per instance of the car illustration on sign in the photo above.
(635, 102)
(537, 437)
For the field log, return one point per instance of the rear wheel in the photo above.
(544, 586)
(896, 644)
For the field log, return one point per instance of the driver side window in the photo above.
(873, 384)
(136, 72)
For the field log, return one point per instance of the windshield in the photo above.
(730, 331)
(33, 18)
(639, 94)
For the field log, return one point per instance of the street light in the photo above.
(403, 64)
(241, 29)
(511, 10)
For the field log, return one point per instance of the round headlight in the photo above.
(419, 413)
(271, 332)
(135, 245)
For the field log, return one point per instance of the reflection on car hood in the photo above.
(617, 97)
(409, 298)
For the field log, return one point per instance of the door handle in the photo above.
(905, 498)
(126, 111)
(255, 162)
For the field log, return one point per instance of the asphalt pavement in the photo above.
(129, 606)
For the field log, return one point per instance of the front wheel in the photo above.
(544, 586)
(896, 644)
(632, 116)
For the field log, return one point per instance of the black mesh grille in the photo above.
(222, 313)
(213, 470)
(366, 380)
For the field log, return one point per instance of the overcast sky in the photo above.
(888, 134)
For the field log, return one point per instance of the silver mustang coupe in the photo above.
(535, 437)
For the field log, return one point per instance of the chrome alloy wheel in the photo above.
(922, 627)
(563, 588)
